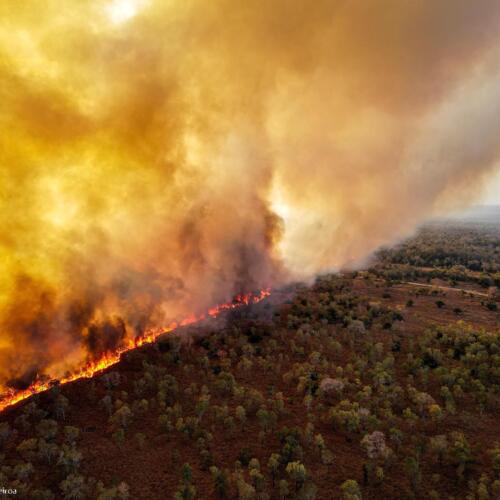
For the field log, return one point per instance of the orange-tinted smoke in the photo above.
(158, 156)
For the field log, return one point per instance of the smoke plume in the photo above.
(157, 157)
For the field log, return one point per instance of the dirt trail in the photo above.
(473, 292)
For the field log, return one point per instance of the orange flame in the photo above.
(109, 359)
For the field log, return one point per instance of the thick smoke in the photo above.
(158, 157)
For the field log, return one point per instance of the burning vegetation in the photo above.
(113, 345)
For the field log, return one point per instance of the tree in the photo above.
(240, 414)
(297, 473)
(122, 416)
(47, 452)
(140, 439)
(460, 452)
(73, 487)
(439, 446)
(165, 423)
(71, 434)
(331, 387)
(42, 494)
(412, 468)
(5, 432)
(47, 429)
(267, 419)
(283, 489)
(274, 464)
(258, 480)
(326, 457)
(435, 412)
(495, 458)
(119, 437)
(221, 481)
(396, 436)
(350, 490)
(245, 491)
(27, 448)
(375, 445)
(186, 490)
(357, 327)
(61, 406)
(111, 380)
(202, 405)
(121, 492)
(23, 470)
(69, 458)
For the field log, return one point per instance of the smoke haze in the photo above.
(158, 157)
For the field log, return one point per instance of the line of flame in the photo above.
(110, 359)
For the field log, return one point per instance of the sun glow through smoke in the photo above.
(120, 11)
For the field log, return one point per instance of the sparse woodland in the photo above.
(360, 386)
(458, 253)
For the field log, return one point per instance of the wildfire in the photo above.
(110, 359)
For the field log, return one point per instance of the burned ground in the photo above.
(361, 384)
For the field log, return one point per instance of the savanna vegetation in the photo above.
(363, 385)
(459, 253)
